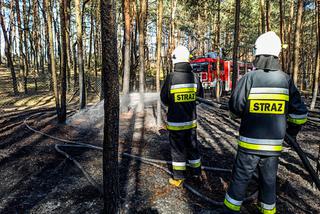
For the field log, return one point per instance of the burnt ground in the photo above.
(34, 178)
(37, 179)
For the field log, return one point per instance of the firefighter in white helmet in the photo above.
(269, 105)
(179, 93)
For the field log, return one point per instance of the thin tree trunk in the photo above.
(283, 63)
(91, 35)
(262, 16)
(158, 51)
(297, 40)
(236, 44)
(36, 28)
(68, 45)
(171, 39)
(173, 24)
(268, 15)
(133, 58)
(0, 51)
(316, 74)
(25, 41)
(111, 106)
(289, 53)
(218, 50)
(82, 87)
(95, 54)
(47, 42)
(126, 55)
(63, 73)
(21, 52)
(8, 53)
(142, 29)
(51, 54)
(75, 67)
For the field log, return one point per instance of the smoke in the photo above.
(93, 117)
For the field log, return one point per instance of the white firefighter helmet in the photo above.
(180, 54)
(268, 44)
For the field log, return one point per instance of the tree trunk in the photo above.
(262, 17)
(95, 55)
(316, 74)
(111, 106)
(235, 45)
(91, 35)
(63, 73)
(0, 52)
(158, 51)
(173, 24)
(283, 63)
(134, 57)
(25, 35)
(289, 53)
(268, 15)
(47, 42)
(68, 45)
(297, 40)
(51, 54)
(82, 87)
(218, 58)
(21, 52)
(8, 53)
(36, 35)
(142, 31)
(126, 55)
(171, 39)
(75, 67)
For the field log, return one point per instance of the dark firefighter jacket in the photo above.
(266, 100)
(179, 93)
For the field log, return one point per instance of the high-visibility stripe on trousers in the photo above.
(297, 119)
(267, 208)
(184, 148)
(243, 170)
(178, 126)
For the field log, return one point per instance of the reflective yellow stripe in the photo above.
(298, 121)
(264, 211)
(179, 167)
(231, 206)
(182, 90)
(179, 128)
(195, 165)
(259, 147)
(268, 97)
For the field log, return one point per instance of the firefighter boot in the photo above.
(176, 182)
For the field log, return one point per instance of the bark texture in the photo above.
(111, 106)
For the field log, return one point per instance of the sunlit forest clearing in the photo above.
(82, 126)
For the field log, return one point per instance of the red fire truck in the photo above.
(206, 68)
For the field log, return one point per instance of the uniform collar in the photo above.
(182, 67)
(267, 62)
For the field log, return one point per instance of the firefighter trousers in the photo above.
(243, 169)
(184, 147)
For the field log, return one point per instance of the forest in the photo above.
(82, 126)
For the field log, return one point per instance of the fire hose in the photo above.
(153, 162)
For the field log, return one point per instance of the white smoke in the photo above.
(93, 117)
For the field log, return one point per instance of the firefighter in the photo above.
(269, 104)
(179, 93)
